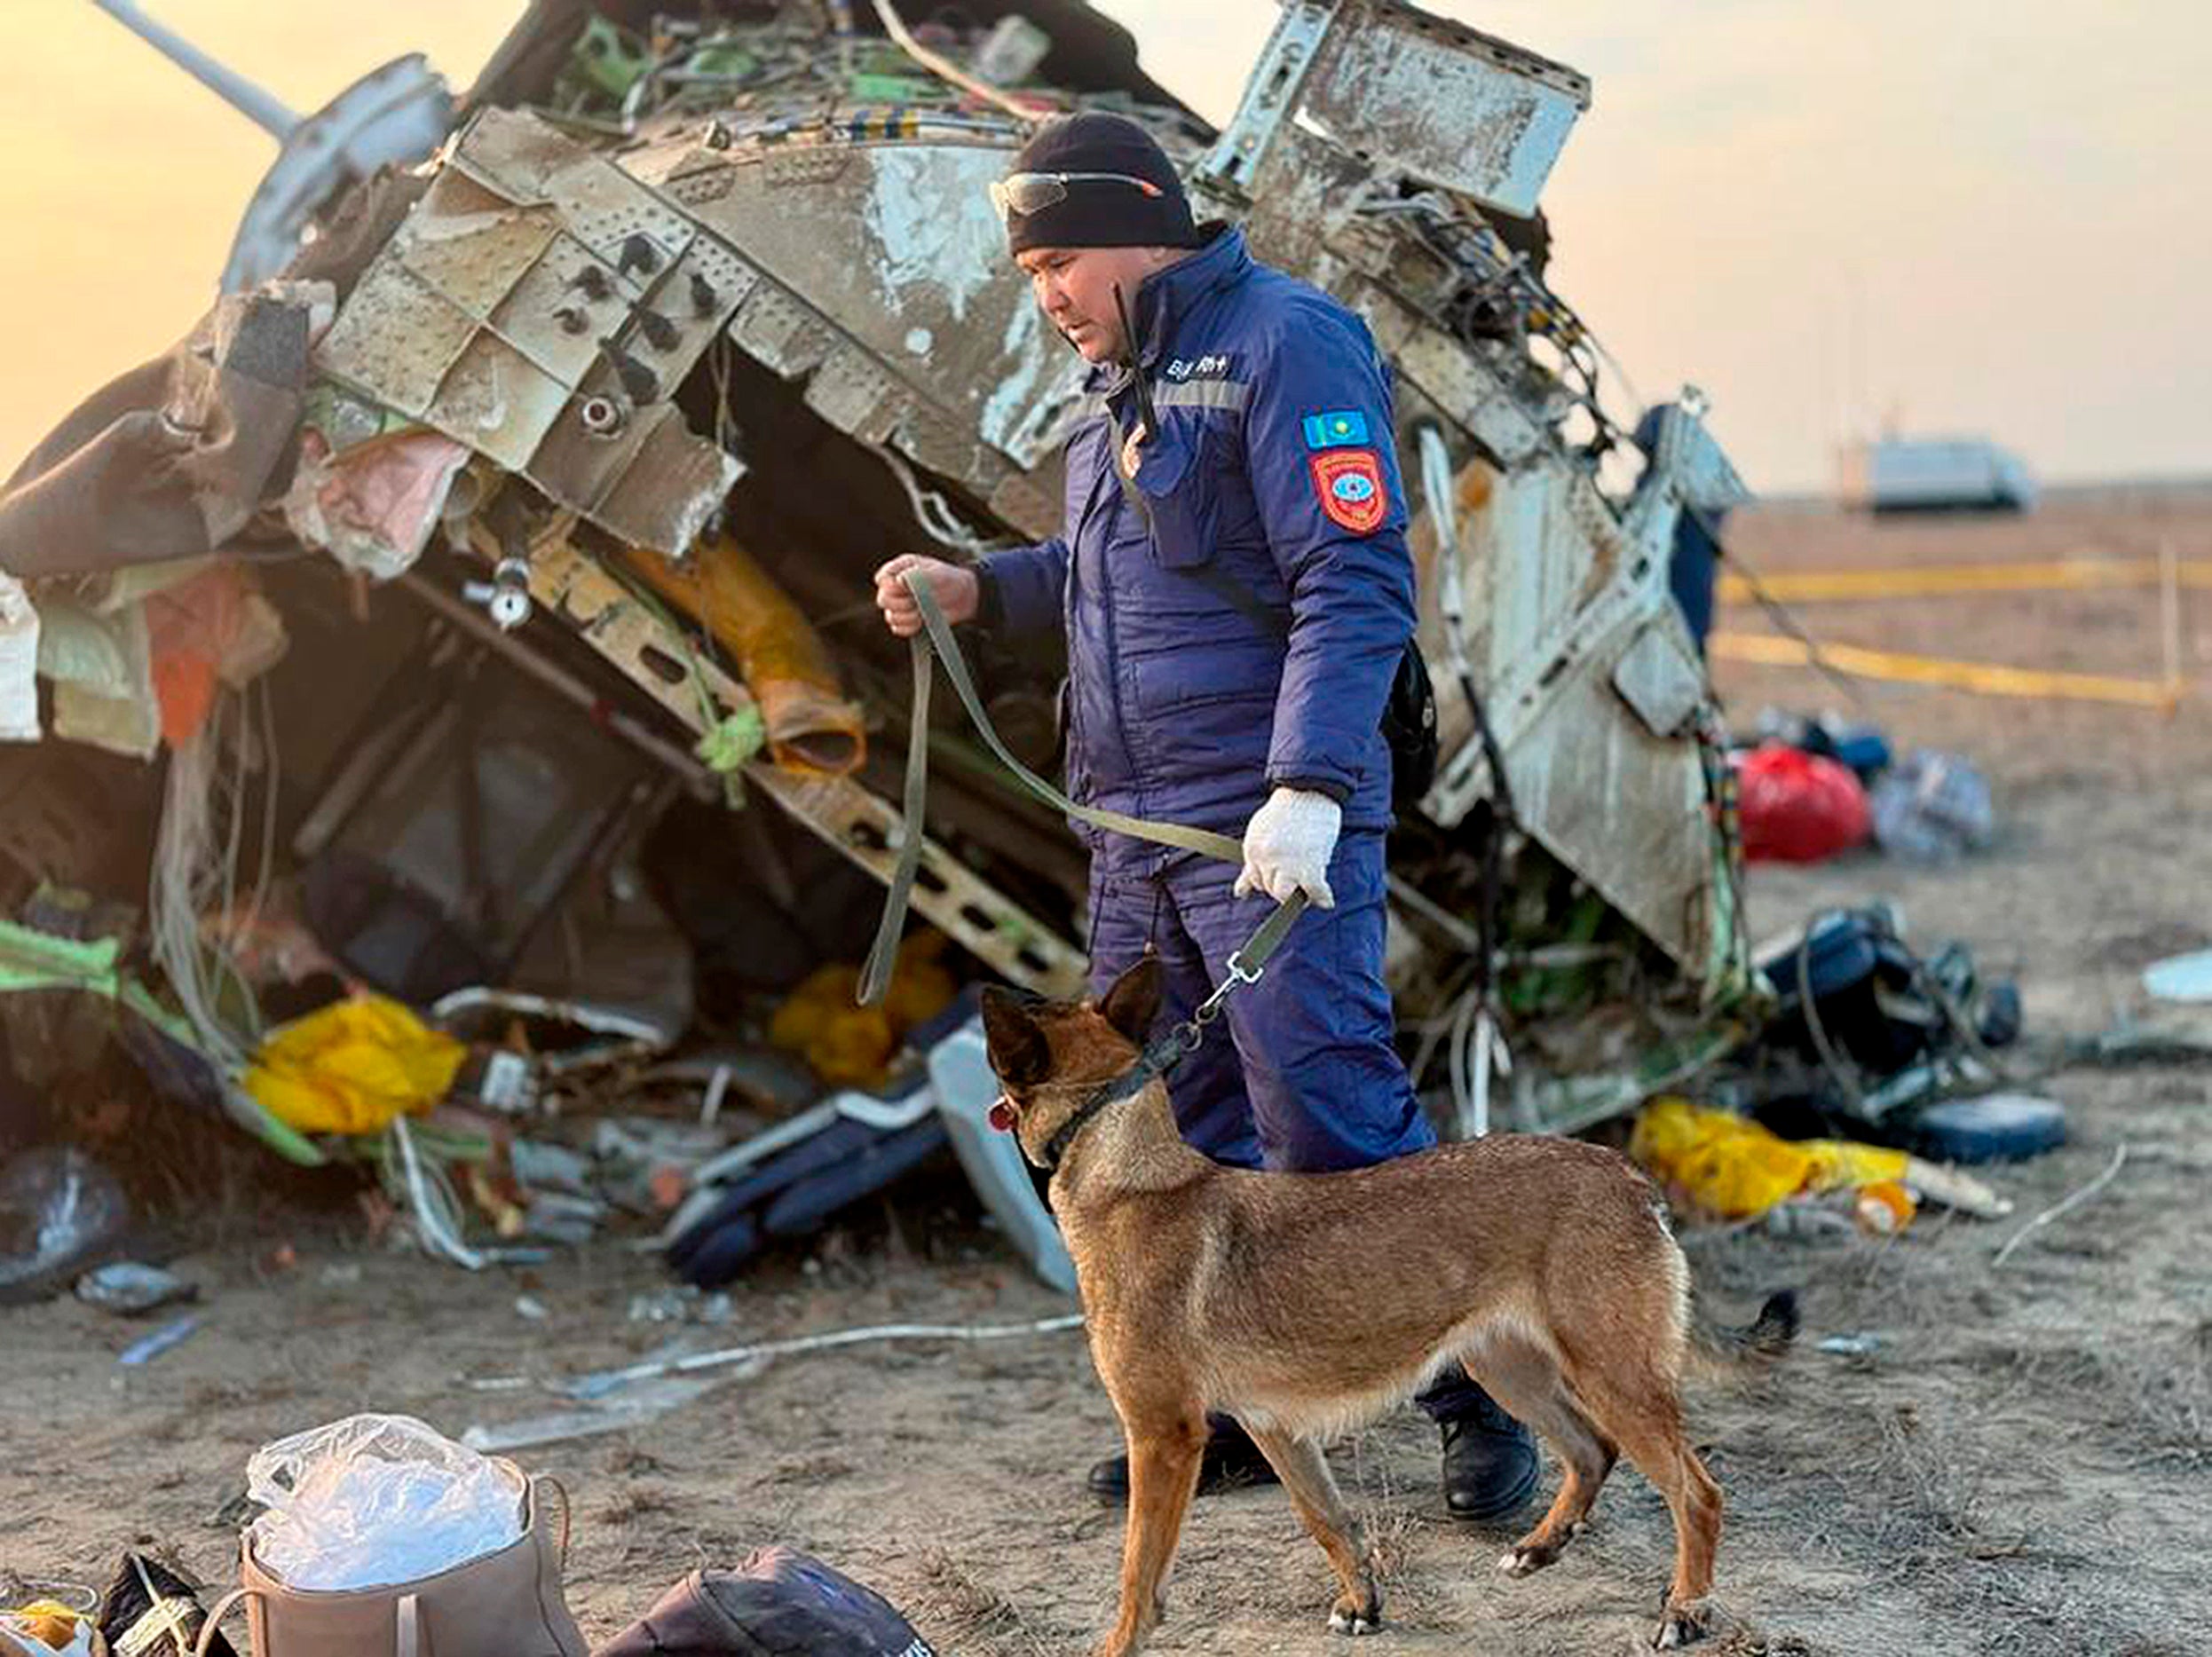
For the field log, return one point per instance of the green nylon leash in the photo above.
(935, 639)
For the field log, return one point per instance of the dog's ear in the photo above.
(1133, 1003)
(1019, 1052)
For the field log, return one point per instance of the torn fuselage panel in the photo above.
(542, 307)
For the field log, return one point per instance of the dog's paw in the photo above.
(1355, 1614)
(1682, 1625)
(1521, 1560)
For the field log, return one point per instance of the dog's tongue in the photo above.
(1002, 1116)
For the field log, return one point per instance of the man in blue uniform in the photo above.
(1234, 588)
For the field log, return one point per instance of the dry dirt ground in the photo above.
(2022, 1465)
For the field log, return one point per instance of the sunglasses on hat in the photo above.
(1027, 193)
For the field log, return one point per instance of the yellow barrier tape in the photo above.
(1771, 650)
(1941, 579)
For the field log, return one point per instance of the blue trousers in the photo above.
(1308, 1078)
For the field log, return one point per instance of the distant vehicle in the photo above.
(1934, 475)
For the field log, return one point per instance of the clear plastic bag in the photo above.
(375, 1499)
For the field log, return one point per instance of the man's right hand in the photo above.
(956, 589)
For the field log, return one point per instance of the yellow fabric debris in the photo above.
(852, 1046)
(46, 1626)
(1733, 1169)
(351, 1067)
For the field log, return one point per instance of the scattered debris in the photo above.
(1714, 1162)
(1990, 1127)
(607, 1381)
(1798, 807)
(351, 1067)
(1862, 747)
(648, 1401)
(130, 1289)
(170, 1336)
(2130, 1043)
(682, 1304)
(58, 1210)
(46, 1628)
(1867, 1031)
(1932, 808)
(149, 1611)
(2181, 977)
(532, 385)
(2058, 1211)
(1860, 1346)
(778, 1599)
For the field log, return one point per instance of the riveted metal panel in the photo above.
(497, 401)
(397, 336)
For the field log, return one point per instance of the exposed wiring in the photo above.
(932, 511)
(946, 70)
(430, 1195)
(198, 845)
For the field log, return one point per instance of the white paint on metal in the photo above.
(920, 340)
(935, 233)
(1466, 121)
(1658, 677)
(1027, 350)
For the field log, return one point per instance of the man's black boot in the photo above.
(1231, 1461)
(1490, 1463)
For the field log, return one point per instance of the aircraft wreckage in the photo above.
(604, 413)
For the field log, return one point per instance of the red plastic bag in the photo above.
(1798, 807)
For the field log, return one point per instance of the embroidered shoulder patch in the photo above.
(1350, 484)
(1340, 428)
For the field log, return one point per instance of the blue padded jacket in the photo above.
(1236, 611)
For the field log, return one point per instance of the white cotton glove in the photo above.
(1287, 847)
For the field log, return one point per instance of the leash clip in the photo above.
(1234, 978)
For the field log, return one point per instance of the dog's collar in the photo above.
(1245, 967)
(1154, 1061)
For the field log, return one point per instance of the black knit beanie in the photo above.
(1097, 212)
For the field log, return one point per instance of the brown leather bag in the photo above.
(506, 1603)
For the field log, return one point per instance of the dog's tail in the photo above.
(1758, 1345)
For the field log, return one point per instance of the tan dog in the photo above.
(1304, 1304)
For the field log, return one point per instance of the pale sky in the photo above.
(1977, 217)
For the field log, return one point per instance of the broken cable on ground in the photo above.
(605, 1381)
(2112, 1172)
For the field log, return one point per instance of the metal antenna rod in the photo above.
(233, 89)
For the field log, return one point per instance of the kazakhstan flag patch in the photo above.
(1341, 429)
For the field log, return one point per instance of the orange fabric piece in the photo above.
(812, 726)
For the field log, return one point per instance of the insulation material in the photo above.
(102, 668)
(373, 507)
(211, 631)
(811, 725)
